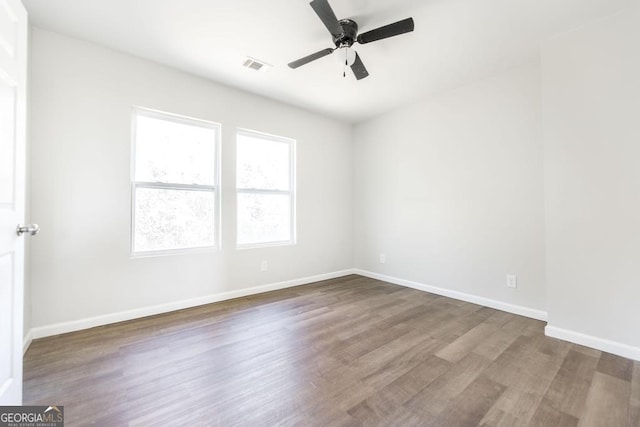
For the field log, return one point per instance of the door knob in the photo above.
(32, 229)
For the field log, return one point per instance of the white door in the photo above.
(13, 74)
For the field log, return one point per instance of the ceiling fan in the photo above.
(345, 33)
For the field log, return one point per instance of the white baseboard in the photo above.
(602, 344)
(498, 305)
(612, 347)
(91, 322)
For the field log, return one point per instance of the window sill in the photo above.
(265, 245)
(171, 252)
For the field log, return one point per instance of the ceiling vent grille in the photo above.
(255, 64)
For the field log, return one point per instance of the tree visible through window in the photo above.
(174, 182)
(265, 189)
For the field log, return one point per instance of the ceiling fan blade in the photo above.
(359, 69)
(326, 15)
(302, 61)
(395, 29)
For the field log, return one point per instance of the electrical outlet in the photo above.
(383, 259)
(264, 266)
(512, 281)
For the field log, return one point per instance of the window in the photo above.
(174, 184)
(266, 190)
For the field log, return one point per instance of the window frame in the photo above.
(291, 192)
(215, 188)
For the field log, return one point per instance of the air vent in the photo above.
(255, 64)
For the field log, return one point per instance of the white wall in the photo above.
(451, 190)
(591, 83)
(81, 99)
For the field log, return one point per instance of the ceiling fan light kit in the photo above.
(344, 33)
(345, 56)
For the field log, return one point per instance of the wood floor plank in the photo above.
(615, 366)
(462, 346)
(392, 397)
(548, 416)
(470, 316)
(348, 351)
(378, 375)
(607, 402)
(470, 406)
(525, 388)
(521, 400)
(434, 398)
(401, 418)
(555, 349)
(634, 403)
(499, 418)
(495, 344)
(507, 367)
(569, 389)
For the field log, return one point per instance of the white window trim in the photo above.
(291, 192)
(216, 188)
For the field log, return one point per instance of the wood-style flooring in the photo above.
(348, 351)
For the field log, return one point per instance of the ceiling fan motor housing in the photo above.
(349, 33)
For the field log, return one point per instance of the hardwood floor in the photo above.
(349, 351)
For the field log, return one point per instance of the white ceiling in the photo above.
(455, 42)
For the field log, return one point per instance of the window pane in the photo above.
(263, 218)
(172, 152)
(173, 219)
(263, 163)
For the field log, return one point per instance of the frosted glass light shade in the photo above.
(345, 53)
